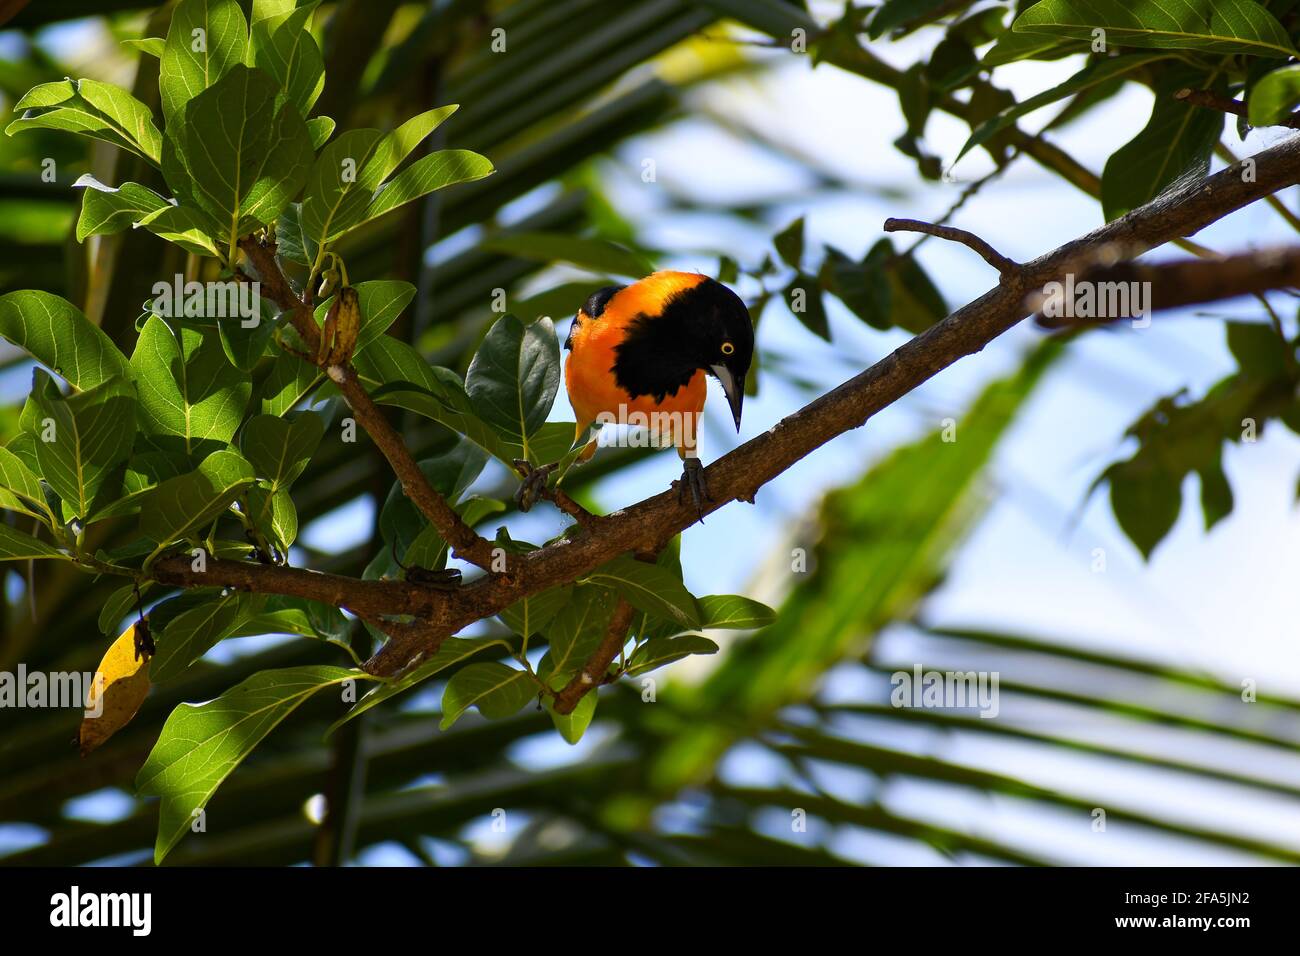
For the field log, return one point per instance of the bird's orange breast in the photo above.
(589, 370)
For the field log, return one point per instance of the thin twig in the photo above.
(1006, 267)
(1210, 100)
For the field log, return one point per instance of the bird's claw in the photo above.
(534, 482)
(444, 579)
(694, 482)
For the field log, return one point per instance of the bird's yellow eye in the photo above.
(727, 348)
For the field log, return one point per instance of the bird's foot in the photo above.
(445, 579)
(692, 481)
(534, 482)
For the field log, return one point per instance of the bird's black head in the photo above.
(704, 325)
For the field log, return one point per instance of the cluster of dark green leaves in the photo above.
(200, 424)
(1178, 437)
(572, 620)
(198, 436)
(887, 288)
(1239, 47)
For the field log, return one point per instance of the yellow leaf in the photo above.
(120, 687)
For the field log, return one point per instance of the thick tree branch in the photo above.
(596, 668)
(739, 475)
(1168, 285)
(646, 526)
(364, 598)
(464, 542)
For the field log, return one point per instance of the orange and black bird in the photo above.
(641, 354)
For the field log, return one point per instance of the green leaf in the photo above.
(1260, 352)
(1175, 144)
(804, 297)
(16, 545)
(279, 449)
(344, 180)
(1274, 97)
(187, 226)
(191, 398)
(862, 286)
(895, 13)
(83, 439)
(192, 633)
(1091, 76)
(952, 63)
(915, 301)
(56, 334)
(789, 243)
(288, 383)
(335, 198)
(243, 153)
(120, 603)
(733, 611)
(150, 46)
(530, 615)
(282, 45)
(205, 40)
(452, 651)
(194, 499)
(595, 255)
(428, 550)
(514, 376)
(246, 347)
(396, 374)
(397, 145)
(651, 588)
(1012, 47)
(319, 128)
(436, 171)
(201, 744)
(293, 243)
(1146, 501)
(105, 210)
(577, 631)
(574, 724)
(273, 512)
(17, 478)
(659, 651)
(99, 110)
(498, 691)
(291, 615)
(1212, 26)
(1216, 495)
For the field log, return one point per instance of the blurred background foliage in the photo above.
(782, 750)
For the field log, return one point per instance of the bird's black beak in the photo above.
(735, 389)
